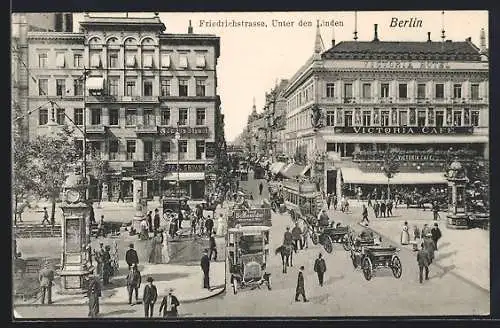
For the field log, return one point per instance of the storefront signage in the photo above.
(405, 65)
(416, 156)
(406, 130)
(185, 130)
(392, 64)
(251, 217)
(185, 167)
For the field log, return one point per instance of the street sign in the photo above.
(250, 217)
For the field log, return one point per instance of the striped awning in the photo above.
(95, 83)
(355, 175)
(292, 170)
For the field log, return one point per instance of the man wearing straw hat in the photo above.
(169, 305)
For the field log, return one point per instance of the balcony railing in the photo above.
(146, 129)
(96, 128)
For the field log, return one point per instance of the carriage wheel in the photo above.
(367, 268)
(315, 238)
(346, 244)
(328, 244)
(397, 268)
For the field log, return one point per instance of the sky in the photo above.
(253, 58)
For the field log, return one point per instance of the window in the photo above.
(130, 90)
(43, 86)
(439, 118)
(183, 116)
(348, 91)
(200, 116)
(183, 62)
(95, 116)
(149, 118)
(165, 148)
(183, 145)
(148, 88)
(60, 87)
(113, 86)
(130, 117)
(457, 118)
(421, 115)
(457, 91)
(474, 91)
(165, 60)
(384, 90)
(95, 60)
(200, 88)
(403, 118)
(77, 60)
(43, 116)
(439, 91)
(200, 149)
(474, 118)
(348, 118)
(78, 87)
(95, 147)
(61, 116)
(78, 116)
(340, 117)
(130, 149)
(430, 117)
(200, 61)
(60, 60)
(42, 60)
(113, 116)
(449, 119)
(113, 149)
(466, 117)
(165, 116)
(367, 115)
(403, 90)
(421, 91)
(113, 60)
(330, 118)
(330, 90)
(183, 87)
(367, 90)
(130, 60)
(147, 60)
(385, 118)
(165, 88)
(413, 117)
(394, 115)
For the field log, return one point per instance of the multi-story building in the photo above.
(134, 88)
(425, 101)
(275, 114)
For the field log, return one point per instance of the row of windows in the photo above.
(130, 87)
(402, 91)
(166, 147)
(301, 97)
(131, 117)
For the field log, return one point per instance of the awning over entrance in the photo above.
(95, 83)
(292, 170)
(185, 176)
(276, 167)
(355, 175)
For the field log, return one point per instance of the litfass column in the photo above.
(76, 214)
(457, 217)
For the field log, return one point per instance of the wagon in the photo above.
(331, 235)
(373, 258)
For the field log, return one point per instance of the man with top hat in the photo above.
(133, 283)
(320, 268)
(149, 297)
(423, 261)
(46, 279)
(169, 305)
(205, 267)
(300, 290)
(287, 237)
(131, 256)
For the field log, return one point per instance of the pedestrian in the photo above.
(376, 208)
(435, 211)
(297, 237)
(261, 186)
(144, 234)
(335, 202)
(416, 233)
(328, 200)
(423, 261)
(131, 256)
(169, 305)
(133, 283)
(99, 259)
(46, 279)
(365, 215)
(106, 265)
(213, 247)
(221, 225)
(405, 235)
(93, 294)
(100, 227)
(156, 220)
(389, 207)
(120, 195)
(382, 208)
(205, 267)
(194, 220)
(429, 246)
(45, 216)
(320, 268)
(209, 226)
(149, 219)
(149, 296)
(370, 201)
(300, 290)
(436, 235)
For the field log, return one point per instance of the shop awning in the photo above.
(355, 175)
(292, 170)
(185, 176)
(95, 83)
(276, 167)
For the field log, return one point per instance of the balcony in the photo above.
(96, 129)
(146, 129)
(184, 130)
(98, 99)
(137, 99)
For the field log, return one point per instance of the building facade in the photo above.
(133, 87)
(425, 101)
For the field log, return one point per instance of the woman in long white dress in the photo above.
(221, 225)
(405, 235)
(166, 258)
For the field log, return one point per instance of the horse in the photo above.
(286, 252)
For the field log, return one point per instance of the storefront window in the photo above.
(367, 118)
(340, 116)
(449, 121)
(457, 118)
(466, 117)
(403, 118)
(421, 118)
(439, 118)
(385, 118)
(348, 118)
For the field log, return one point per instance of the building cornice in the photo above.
(42, 36)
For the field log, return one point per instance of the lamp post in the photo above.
(177, 139)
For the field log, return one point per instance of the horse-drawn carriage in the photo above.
(302, 200)
(248, 250)
(330, 235)
(370, 258)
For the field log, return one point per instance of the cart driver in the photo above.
(365, 235)
(287, 237)
(323, 219)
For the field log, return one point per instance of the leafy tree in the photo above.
(156, 169)
(390, 168)
(22, 176)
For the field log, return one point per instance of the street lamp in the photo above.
(177, 139)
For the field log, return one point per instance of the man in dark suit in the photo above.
(429, 246)
(205, 267)
(149, 297)
(209, 226)
(169, 305)
(133, 283)
(320, 268)
(156, 220)
(131, 256)
(213, 248)
(436, 235)
(150, 221)
(300, 290)
(46, 279)
(423, 261)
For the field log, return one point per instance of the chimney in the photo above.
(190, 28)
(429, 37)
(482, 41)
(375, 37)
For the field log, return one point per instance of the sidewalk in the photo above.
(464, 253)
(187, 281)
